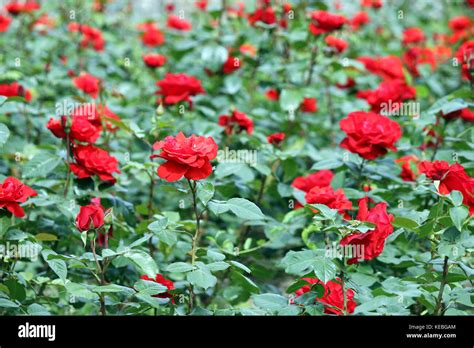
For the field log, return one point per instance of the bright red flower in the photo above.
(371, 243)
(339, 45)
(388, 68)
(90, 217)
(201, 4)
(231, 64)
(359, 19)
(272, 94)
(266, 15)
(152, 36)
(91, 37)
(409, 167)
(451, 177)
(371, 3)
(419, 55)
(413, 35)
(276, 138)
(465, 56)
(179, 87)
(88, 84)
(91, 160)
(309, 105)
(460, 23)
(388, 96)
(321, 178)
(15, 90)
(324, 22)
(327, 196)
(4, 23)
(369, 135)
(465, 114)
(174, 22)
(188, 157)
(154, 60)
(333, 298)
(237, 122)
(16, 7)
(161, 280)
(13, 192)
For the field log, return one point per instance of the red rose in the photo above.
(272, 94)
(389, 95)
(108, 116)
(417, 55)
(152, 36)
(15, 7)
(88, 84)
(409, 167)
(231, 64)
(161, 280)
(15, 90)
(201, 4)
(91, 37)
(90, 217)
(333, 297)
(179, 87)
(324, 22)
(465, 54)
(465, 114)
(372, 242)
(4, 23)
(321, 178)
(327, 196)
(91, 160)
(371, 3)
(369, 135)
(339, 45)
(276, 138)
(451, 177)
(459, 23)
(188, 157)
(266, 15)
(154, 60)
(177, 23)
(237, 122)
(309, 105)
(388, 68)
(360, 18)
(13, 192)
(413, 35)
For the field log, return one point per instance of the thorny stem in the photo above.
(439, 303)
(196, 238)
(100, 270)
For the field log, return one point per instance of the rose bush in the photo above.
(236, 158)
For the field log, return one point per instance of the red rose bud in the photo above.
(88, 84)
(276, 138)
(154, 60)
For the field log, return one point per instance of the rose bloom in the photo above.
(152, 36)
(266, 15)
(91, 37)
(339, 45)
(237, 122)
(91, 160)
(460, 23)
(161, 280)
(409, 167)
(154, 60)
(272, 94)
(371, 3)
(12, 193)
(323, 22)
(464, 52)
(16, 7)
(465, 114)
(179, 87)
(417, 55)
(359, 19)
(15, 90)
(174, 22)
(327, 196)
(88, 84)
(388, 95)
(201, 4)
(371, 242)
(388, 68)
(90, 217)
(321, 178)
(4, 23)
(276, 138)
(413, 35)
(333, 298)
(309, 105)
(450, 177)
(248, 49)
(86, 125)
(188, 157)
(369, 135)
(231, 64)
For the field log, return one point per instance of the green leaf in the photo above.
(290, 99)
(217, 266)
(327, 164)
(241, 266)
(180, 267)
(245, 209)
(272, 302)
(144, 261)
(114, 288)
(4, 134)
(58, 266)
(405, 223)
(302, 262)
(37, 309)
(201, 278)
(205, 192)
(7, 303)
(458, 216)
(456, 197)
(41, 165)
(16, 289)
(150, 288)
